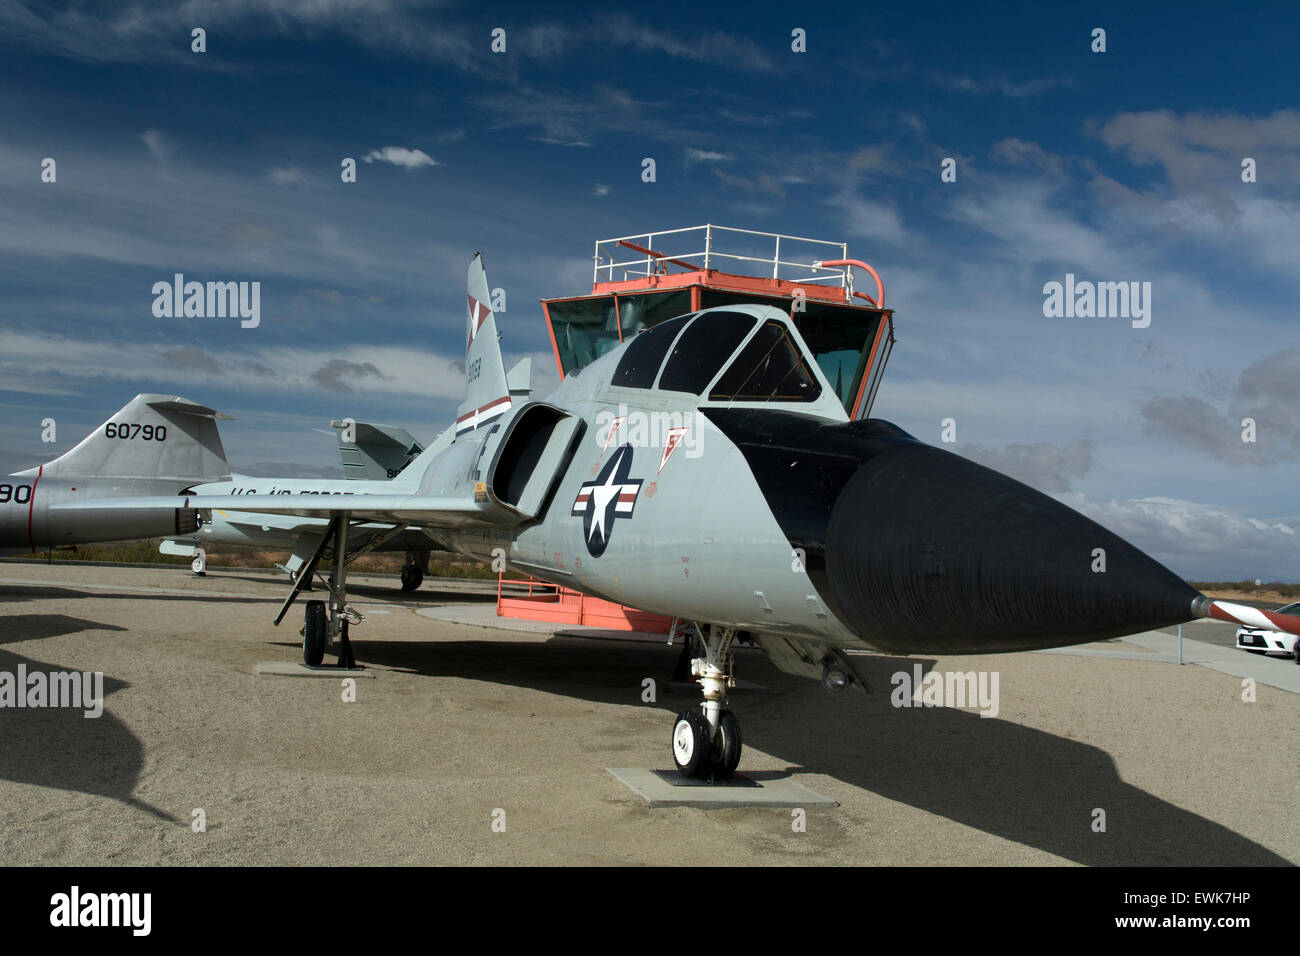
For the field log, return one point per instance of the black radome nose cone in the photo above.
(928, 552)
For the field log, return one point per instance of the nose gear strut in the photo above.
(706, 743)
(327, 625)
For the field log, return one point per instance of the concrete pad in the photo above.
(1279, 672)
(468, 719)
(667, 788)
(299, 669)
(485, 615)
(609, 634)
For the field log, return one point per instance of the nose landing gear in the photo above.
(706, 743)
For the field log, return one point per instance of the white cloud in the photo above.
(1200, 541)
(401, 156)
(600, 190)
(1203, 197)
(705, 156)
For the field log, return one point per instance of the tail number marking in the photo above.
(19, 494)
(126, 430)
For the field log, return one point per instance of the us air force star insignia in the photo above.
(611, 494)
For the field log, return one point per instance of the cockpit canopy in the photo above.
(722, 355)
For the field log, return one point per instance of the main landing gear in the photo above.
(706, 743)
(417, 563)
(325, 626)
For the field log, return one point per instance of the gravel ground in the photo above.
(459, 722)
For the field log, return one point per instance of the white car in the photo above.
(1262, 640)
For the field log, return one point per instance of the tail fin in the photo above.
(486, 393)
(151, 436)
(375, 452)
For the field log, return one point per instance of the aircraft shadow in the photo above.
(29, 592)
(53, 591)
(998, 776)
(421, 595)
(58, 746)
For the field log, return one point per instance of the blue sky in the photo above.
(1115, 166)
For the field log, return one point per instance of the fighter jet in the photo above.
(706, 469)
(153, 445)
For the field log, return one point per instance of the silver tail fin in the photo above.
(375, 452)
(486, 393)
(151, 436)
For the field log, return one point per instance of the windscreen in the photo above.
(770, 368)
(645, 353)
(702, 349)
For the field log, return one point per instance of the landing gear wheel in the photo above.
(725, 756)
(313, 634)
(691, 746)
(412, 577)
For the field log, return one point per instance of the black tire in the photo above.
(412, 577)
(313, 634)
(690, 744)
(1295, 650)
(726, 746)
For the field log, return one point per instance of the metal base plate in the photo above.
(760, 788)
(675, 778)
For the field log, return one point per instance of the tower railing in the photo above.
(723, 248)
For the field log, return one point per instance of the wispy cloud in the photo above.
(134, 33)
(984, 86)
(288, 176)
(254, 367)
(1258, 424)
(401, 156)
(1199, 540)
(160, 147)
(1041, 465)
(705, 156)
(422, 30)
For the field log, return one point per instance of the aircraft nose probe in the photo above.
(1244, 614)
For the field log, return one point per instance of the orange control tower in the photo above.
(639, 281)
